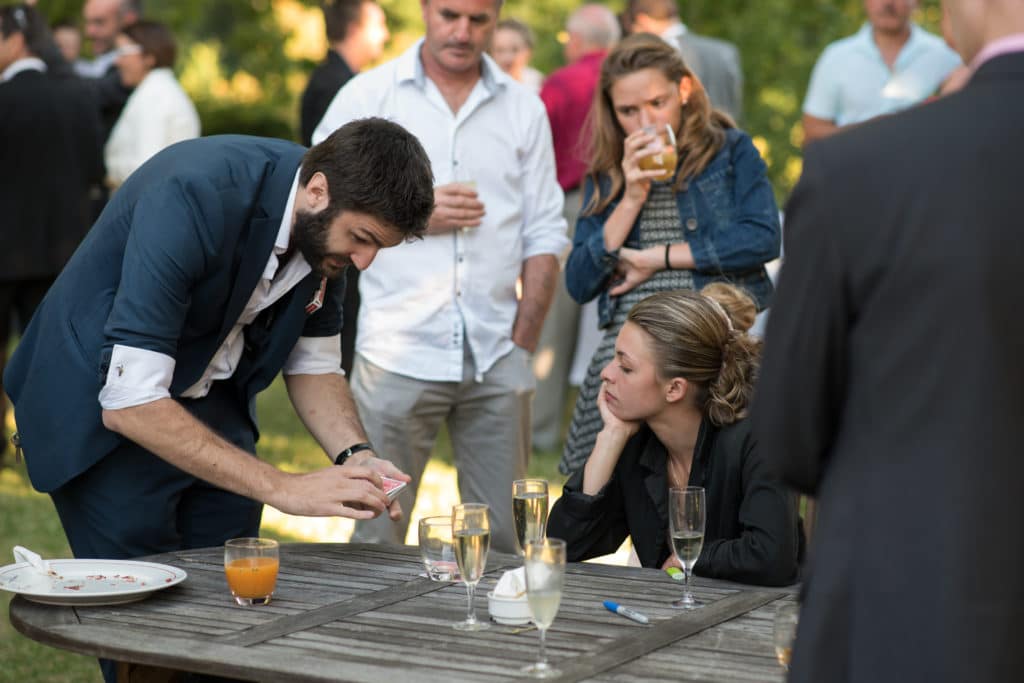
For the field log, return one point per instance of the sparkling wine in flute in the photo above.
(687, 545)
(544, 606)
(530, 517)
(471, 546)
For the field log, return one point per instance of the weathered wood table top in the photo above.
(348, 612)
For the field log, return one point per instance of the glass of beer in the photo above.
(660, 155)
(251, 565)
(529, 510)
(471, 533)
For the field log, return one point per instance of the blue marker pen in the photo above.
(626, 612)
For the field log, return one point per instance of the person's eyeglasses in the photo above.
(129, 50)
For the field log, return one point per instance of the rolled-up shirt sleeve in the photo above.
(135, 377)
(315, 356)
(544, 229)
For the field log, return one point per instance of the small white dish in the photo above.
(509, 611)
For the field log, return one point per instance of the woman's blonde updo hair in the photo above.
(702, 337)
(700, 138)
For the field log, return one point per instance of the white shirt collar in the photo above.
(673, 33)
(284, 233)
(24, 64)
(409, 67)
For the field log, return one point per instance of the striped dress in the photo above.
(659, 224)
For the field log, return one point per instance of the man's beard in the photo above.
(309, 236)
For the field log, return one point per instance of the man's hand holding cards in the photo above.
(392, 487)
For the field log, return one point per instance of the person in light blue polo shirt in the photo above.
(889, 65)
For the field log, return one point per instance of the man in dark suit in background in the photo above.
(716, 62)
(891, 381)
(356, 32)
(50, 154)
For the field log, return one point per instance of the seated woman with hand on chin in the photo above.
(674, 400)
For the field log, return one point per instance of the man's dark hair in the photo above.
(375, 167)
(155, 39)
(340, 15)
(25, 19)
(656, 9)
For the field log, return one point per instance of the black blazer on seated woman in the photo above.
(752, 533)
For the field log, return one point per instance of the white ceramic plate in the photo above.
(90, 582)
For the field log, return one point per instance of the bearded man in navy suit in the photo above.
(213, 268)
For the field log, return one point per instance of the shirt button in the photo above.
(691, 224)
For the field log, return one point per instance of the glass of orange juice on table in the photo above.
(660, 155)
(251, 565)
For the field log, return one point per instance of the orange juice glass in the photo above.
(251, 565)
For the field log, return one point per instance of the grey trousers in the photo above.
(489, 425)
(554, 354)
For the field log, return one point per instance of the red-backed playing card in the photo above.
(392, 487)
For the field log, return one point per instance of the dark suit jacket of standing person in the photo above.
(752, 532)
(169, 268)
(324, 83)
(50, 153)
(891, 389)
(717, 65)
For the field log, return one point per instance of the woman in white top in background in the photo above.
(158, 113)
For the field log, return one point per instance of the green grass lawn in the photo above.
(28, 518)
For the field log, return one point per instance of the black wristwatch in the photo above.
(350, 451)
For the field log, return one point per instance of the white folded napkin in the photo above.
(512, 584)
(22, 554)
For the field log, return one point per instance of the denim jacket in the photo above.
(727, 215)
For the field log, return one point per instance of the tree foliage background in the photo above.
(245, 62)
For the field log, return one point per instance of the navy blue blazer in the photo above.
(168, 267)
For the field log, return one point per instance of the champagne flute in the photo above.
(686, 511)
(545, 576)
(529, 511)
(471, 532)
(784, 632)
(661, 155)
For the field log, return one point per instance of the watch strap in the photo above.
(350, 451)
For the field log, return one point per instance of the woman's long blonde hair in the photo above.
(703, 128)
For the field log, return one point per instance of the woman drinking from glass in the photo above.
(674, 401)
(713, 217)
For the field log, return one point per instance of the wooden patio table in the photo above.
(356, 612)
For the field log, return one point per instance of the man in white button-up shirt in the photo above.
(442, 335)
(213, 269)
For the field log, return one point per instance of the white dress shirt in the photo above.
(157, 114)
(422, 300)
(138, 376)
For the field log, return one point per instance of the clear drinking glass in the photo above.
(251, 565)
(545, 576)
(661, 155)
(784, 631)
(437, 548)
(471, 533)
(529, 510)
(686, 511)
